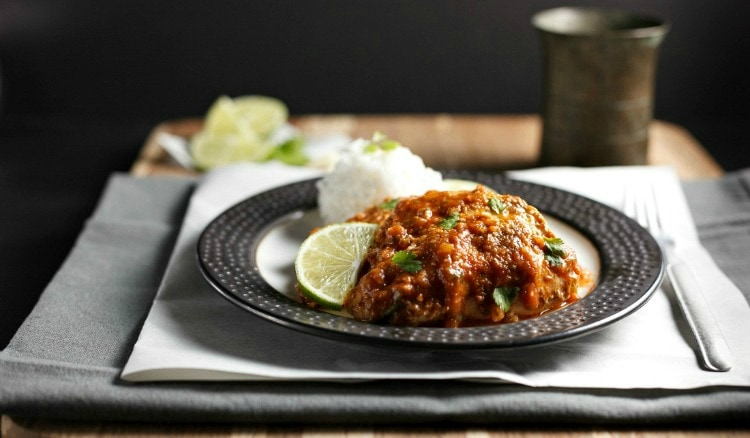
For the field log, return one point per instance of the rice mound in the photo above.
(363, 178)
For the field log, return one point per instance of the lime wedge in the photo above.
(238, 129)
(328, 261)
(210, 149)
(221, 117)
(262, 114)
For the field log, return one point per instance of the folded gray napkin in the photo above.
(65, 361)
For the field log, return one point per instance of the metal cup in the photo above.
(598, 85)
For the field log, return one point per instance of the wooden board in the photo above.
(460, 141)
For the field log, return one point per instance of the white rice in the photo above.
(362, 179)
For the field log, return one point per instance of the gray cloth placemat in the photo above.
(65, 360)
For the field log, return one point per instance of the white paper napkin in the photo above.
(191, 333)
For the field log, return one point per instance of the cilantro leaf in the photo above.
(389, 204)
(407, 261)
(504, 296)
(380, 142)
(497, 206)
(389, 145)
(450, 222)
(291, 152)
(554, 250)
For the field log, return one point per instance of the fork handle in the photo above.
(714, 350)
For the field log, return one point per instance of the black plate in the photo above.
(631, 269)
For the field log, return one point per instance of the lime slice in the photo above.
(238, 130)
(328, 261)
(221, 117)
(262, 114)
(210, 150)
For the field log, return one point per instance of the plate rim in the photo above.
(403, 337)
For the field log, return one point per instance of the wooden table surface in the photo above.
(460, 141)
(481, 141)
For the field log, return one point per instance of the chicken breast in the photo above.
(462, 258)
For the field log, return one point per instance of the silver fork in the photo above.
(641, 204)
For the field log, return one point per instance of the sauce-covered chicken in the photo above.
(461, 258)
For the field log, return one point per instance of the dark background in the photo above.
(83, 82)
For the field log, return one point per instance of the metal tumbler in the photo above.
(598, 85)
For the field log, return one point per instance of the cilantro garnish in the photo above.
(497, 206)
(381, 142)
(554, 250)
(407, 261)
(449, 222)
(389, 204)
(388, 145)
(504, 295)
(291, 152)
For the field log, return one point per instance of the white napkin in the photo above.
(191, 333)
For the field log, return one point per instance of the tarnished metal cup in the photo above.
(598, 85)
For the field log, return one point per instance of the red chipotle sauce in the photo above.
(462, 258)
